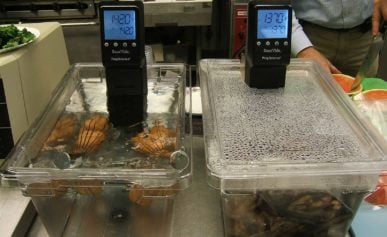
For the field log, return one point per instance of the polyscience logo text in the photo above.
(120, 59)
(270, 58)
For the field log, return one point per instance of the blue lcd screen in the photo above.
(272, 23)
(120, 24)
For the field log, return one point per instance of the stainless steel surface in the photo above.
(91, 23)
(83, 43)
(168, 19)
(157, 13)
(179, 13)
(46, 10)
(16, 212)
(197, 209)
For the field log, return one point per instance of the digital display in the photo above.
(272, 23)
(120, 24)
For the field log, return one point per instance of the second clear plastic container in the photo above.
(293, 161)
(88, 178)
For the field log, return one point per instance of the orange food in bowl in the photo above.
(376, 94)
(379, 196)
(344, 81)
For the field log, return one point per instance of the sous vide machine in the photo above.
(269, 26)
(294, 160)
(123, 55)
(109, 154)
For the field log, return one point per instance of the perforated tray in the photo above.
(309, 127)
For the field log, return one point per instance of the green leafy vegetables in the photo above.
(11, 36)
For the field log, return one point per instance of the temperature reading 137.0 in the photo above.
(120, 25)
(272, 24)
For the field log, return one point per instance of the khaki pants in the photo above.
(345, 49)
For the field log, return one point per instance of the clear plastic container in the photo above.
(293, 161)
(89, 178)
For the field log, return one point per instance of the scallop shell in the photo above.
(54, 188)
(159, 141)
(63, 130)
(91, 135)
(143, 196)
(87, 187)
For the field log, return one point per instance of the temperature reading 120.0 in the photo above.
(120, 24)
(272, 23)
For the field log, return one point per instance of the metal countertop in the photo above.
(16, 212)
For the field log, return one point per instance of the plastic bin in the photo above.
(293, 161)
(89, 178)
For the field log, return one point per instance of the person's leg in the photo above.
(345, 50)
(353, 48)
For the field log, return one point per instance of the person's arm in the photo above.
(302, 47)
(299, 39)
(312, 53)
(379, 14)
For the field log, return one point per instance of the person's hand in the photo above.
(312, 53)
(379, 14)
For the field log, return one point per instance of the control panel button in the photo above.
(134, 44)
(125, 44)
(259, 43)
(276, 43)
(286, 43)
(267, 43)
(106, 44)
(115, 44)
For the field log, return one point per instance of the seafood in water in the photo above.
(58, 188)
(159, 141)
(91, 135)
(143, 196)
(87, 187)
(63, 130)
(54, 188)
(289, 213)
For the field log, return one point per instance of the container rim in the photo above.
(294, 169)
(16, 170)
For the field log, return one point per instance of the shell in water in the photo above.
(64, 130)
(143, 196)
(159, 141)
(87, 187)
(91, 135)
